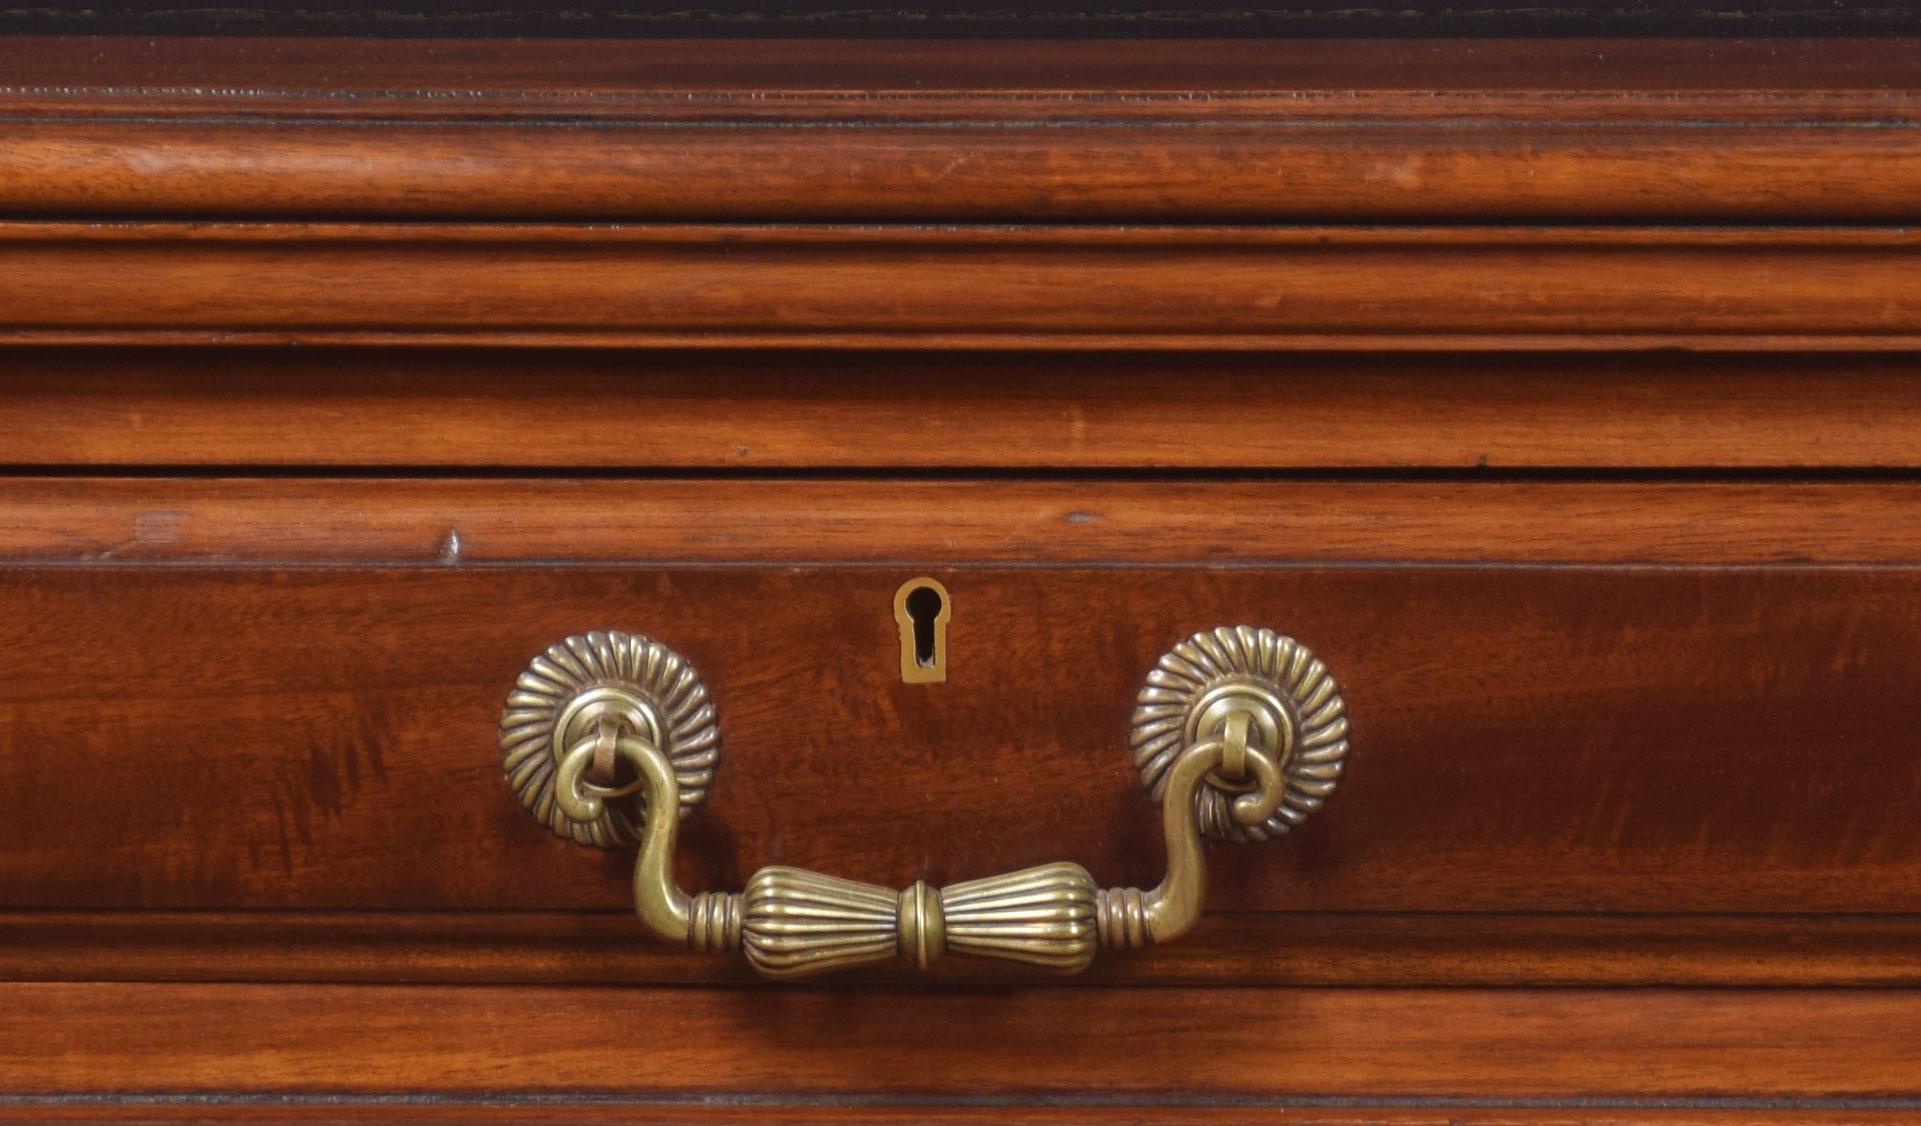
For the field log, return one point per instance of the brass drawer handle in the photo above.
(1240, 733)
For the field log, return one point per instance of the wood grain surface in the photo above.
(993, 1047)
(1281, 948)
(908, 523)
(1559, 739)
(1293, 130)
(1162, 20)
(961, 287)
(289, 720)
(210, 408)
(1622, 721)
(450, 78)
(184, 1111)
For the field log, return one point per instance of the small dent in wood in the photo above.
(157, 527)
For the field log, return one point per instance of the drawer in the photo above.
(1647, 723)
(1285, 579)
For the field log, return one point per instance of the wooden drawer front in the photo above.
(1544, 740)
(203, 732)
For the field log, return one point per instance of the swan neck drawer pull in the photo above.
(609, 738)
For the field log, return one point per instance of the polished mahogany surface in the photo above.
(1541, 741)
(1560, 393)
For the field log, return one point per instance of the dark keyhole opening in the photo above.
(923, 606)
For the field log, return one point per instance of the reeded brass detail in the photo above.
(1297, 718)
(1042, 916)
(615, 681)
(798, 922)
(1241, 725)
(912, 670)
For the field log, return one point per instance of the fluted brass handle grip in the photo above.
(1240, 733)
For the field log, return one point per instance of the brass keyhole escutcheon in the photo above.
(922, 608)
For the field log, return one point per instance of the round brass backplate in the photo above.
(1297, 714)
(629, 682)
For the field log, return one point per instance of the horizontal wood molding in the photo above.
(1222, 131)
(337, 1110)
(742, 521)
(1223, 170)
(695, 77)
(960, 287)
(602, 410)
(1220, 1045)
(1279, 949)
(1138, 19)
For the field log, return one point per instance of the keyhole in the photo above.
(922, 609)
(924, 605)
